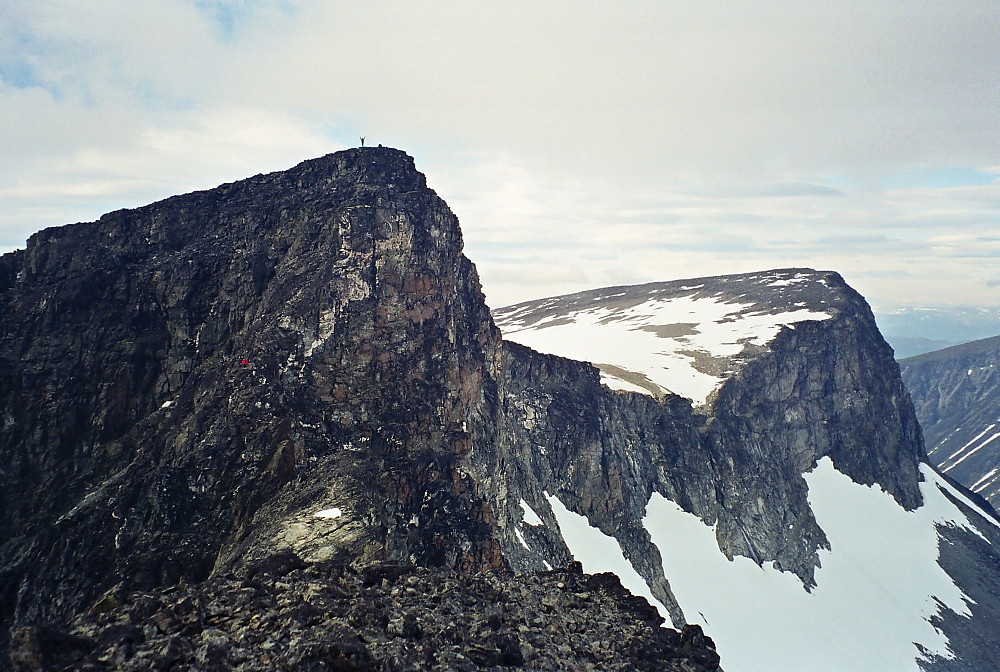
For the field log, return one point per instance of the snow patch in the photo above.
(958, 517)
(598, 552)
(972, 441)
(984, 482)
(680, 344)
(972, 452)
(795, 279)
(167, 404)
(530, 517)
(329, 513)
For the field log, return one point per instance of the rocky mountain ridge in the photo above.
(302, 365)
(300, 362)
(745, 460)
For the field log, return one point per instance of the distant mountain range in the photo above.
(956, 394)
(915, 331)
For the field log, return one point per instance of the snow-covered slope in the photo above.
(680, 337)
(898, 585)
(879, 587)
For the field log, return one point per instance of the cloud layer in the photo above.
(581, 144)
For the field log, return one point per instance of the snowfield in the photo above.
(686, 341)
(598, 552)
(876, 588)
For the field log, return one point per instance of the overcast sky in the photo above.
(581, 144)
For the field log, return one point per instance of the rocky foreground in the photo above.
(287, 615)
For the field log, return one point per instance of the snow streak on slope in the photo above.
(655, 339)
(598, 552)
(875, 590)
(986, 481)
(968, 450)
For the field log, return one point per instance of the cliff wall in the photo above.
(178, 376)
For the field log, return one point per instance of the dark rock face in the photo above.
(173, 368)
(822, 389)
(826, 388)
(300, 360)
(382, 617)
(956, 393)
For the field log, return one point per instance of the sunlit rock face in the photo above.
(302, 366)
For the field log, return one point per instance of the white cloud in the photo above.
(580, 145)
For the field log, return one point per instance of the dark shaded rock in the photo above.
(499, 618)
(406, 625)
(47, 647)
(276, 565)
(376, 574)
(138, 447)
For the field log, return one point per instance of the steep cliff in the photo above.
(742, 502)
(181, 375)
(761, 415)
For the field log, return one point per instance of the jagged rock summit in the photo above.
(294, 365)
(299, 368)
(174, 367)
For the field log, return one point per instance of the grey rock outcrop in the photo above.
(827, 388)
